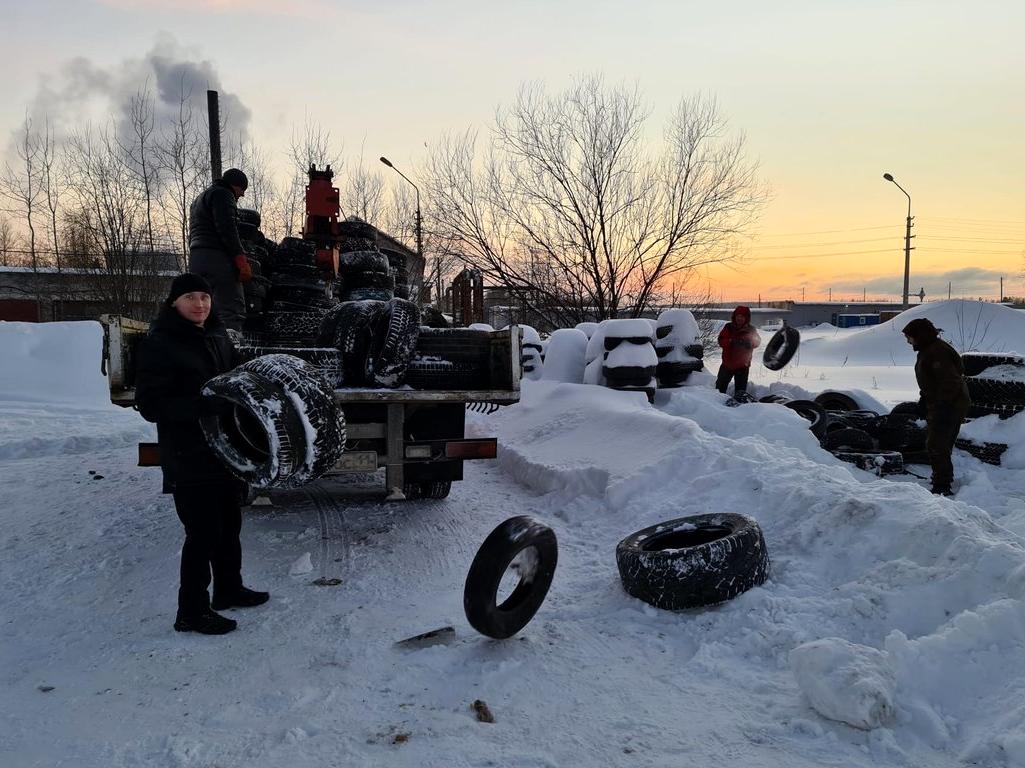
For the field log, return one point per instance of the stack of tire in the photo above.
(629, 361)
(376, 340)
(275, 423)
(875, 443)
(298, 296)
(450, 358)
(531, 353)
(397, 262)
(363, 271)
(996, 383)
(677, 347)
(254, 245)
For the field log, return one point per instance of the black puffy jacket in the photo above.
(175, 359)
(213, 221)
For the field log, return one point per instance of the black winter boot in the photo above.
(205, 623)
(243, 598)
(941, 490)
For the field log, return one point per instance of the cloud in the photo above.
(82, 90)
(303, 8)
(967, 281)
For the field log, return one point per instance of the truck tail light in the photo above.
(472, 449)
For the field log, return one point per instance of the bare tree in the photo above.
(139, 150)
(184, 171)
(309, 145)
(50, 182)
(20, 183)
(9, 256)
(570, 212)
(362, 193)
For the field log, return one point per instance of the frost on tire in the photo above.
(395, 334)
(529, 551)
(781, 348)
(352, 325)
(693, 561)
(277, 425)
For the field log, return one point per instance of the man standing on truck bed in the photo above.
(215, 249)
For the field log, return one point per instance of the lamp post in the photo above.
(907, 239)
(418, 224)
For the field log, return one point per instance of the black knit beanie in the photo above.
(921, 330)
(186, 283)
(233, 177)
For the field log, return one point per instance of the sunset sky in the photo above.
(829, 94)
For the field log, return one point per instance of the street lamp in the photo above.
(419, 224)
(907, 238)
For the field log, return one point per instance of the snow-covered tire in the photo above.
(695, 350)
(354, 323)
(396, 330)
(879, 462)
(781, 348)
(368, 294)
(675, 374)
(503, 545)
(693, 561)
(293, 251)
(434, 374)
(378, 280)
(281, 428)
(438, 489)
(988, 453)
(908, 408)
(813, 412)
(848, 438)
(776, 399)
(628, 376)
(249, 216)
(1002, 410)
(357, 229)
(354, 262)
(288, 328)
(996, 390)
(836, 401)
(977, 362)
(326, 360)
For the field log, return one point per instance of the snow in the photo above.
(564, 358)
(629, 355)
(625, 328)
(891, 630)
(684, 328)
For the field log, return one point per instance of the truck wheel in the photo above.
(435, 490)
(534, 549)
(396, 330)
(693, 561)
(781, 348)
(279, 427)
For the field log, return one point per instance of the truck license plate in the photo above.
(357, 461)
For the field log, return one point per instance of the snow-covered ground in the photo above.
(891, 631)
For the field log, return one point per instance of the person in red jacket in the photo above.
(738, 340)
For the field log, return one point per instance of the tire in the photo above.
(1002, 410)
(977, 362)
(879, 462)
(378, 280)
(988, 453)
(354, 323)
(813, 412)
(249, 216)
(502, 546)
(327, 361)
(292, 250)
(291, 325)
(302, 296)
(281, 428)
(848, 438)
(996, 390)
(436, 490)
(775, 398)
(394, 344)
(695, 561)
(248, 232)
(357, 229)
(909, 408)
(354, 262)
(836, 401)
(367, 294)
(433, 374)
(633, 376)
(899, 433)
(299, 272)
(401, 291)
(454, 344)
(671, 375)
(781, 348)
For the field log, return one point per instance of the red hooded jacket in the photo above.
(738, 340)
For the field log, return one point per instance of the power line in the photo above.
(826, 231)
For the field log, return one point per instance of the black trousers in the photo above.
(725, 374)
(229, 297)
(943, 424)
(212, 518)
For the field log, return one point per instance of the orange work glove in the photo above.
(245, 272)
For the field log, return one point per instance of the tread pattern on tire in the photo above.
(977, 362)
(781, 348)
(694, 561)
(397, 328)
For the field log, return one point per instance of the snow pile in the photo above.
(677, 329)
(54, 397)
(564, 358)
(846, 682)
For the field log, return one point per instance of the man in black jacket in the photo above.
(215, 250)
(187, 346)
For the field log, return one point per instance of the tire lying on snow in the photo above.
(811, 411)
(527, 548)
(278, 425)
(781, 348)
(832, 400)
(879, 462)
(693, 561)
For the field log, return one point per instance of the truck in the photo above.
(417, 436)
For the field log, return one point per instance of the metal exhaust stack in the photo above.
(214, 114)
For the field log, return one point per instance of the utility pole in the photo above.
(1001, 288)
(802, 294)
(948, 290)
(907, 238)
(830, 294)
